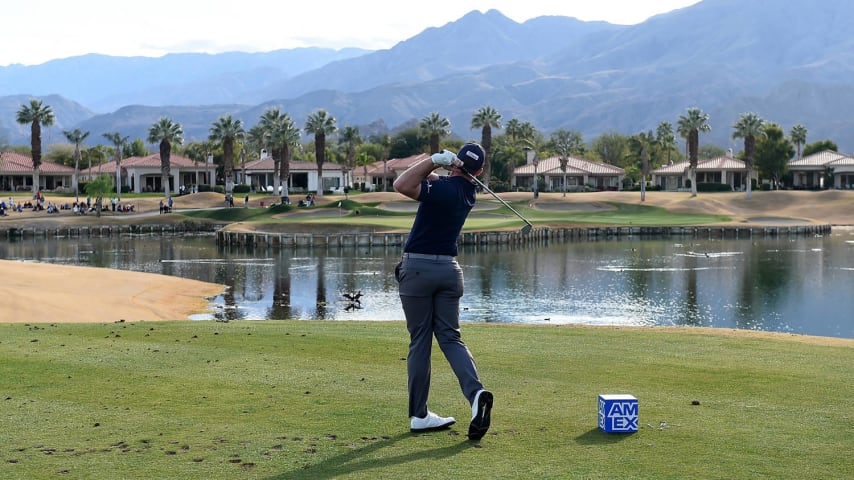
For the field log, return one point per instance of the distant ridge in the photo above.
(787, 60)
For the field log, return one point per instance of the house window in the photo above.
(331, 183)
(299, 180)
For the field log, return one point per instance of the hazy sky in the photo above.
(35, 31)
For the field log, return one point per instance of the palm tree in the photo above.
(265, 131)
(256, 139)
(690, 126)
(528, 134)
(665, 138)
(118, 141)
(242, 146)
(198, 152)
(385, 142)
(102, 158)
(350, 137)
(37, 114)
(565, 143)
(286, 135)
(435, 127)
(512, 130)
(365, 160)
(486, 118)
(320, 124)
(226, 131)
(798, 135)
(749, 126)
(77, 137)
(640, 146)
(165, 132)
(682, 130)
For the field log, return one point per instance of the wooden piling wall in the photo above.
(537, 235)
(345, 240)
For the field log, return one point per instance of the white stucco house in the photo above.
(809, 171)
(579, 173)
(303, 175)
(724, 169)
(143, 174)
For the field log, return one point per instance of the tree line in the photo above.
(766, 147)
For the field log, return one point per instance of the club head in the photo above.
(526, 229)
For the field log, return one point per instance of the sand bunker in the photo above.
(577, 207)
(39, 292)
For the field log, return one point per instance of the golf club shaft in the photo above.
(483, 186)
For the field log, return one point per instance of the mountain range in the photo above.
(790, 61)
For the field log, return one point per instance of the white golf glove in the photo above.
(445, 158)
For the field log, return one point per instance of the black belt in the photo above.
(427, 256)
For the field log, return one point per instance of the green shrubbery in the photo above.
(649, 188)
(713, 187)
(499, 186)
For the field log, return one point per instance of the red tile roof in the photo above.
(816, 159)
(721, 163)
(13, 162)
(709, 165)
(678, 168)
(266, 164)
(150, 161)
(574, 165)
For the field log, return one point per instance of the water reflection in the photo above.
(799, 285)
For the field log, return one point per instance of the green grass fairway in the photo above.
(323, 400)
(498, 217)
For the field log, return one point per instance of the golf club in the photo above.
(528, 225)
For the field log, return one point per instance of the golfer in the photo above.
(431, 283)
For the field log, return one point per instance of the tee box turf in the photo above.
(618, 413)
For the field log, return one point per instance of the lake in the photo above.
(797, 284)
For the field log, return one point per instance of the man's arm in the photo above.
(409, 182)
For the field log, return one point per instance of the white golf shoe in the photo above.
(481, 414)
(431, 422)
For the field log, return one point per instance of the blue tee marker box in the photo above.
(618, 413)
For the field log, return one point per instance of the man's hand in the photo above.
(445, 159)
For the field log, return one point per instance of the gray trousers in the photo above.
(430, 292)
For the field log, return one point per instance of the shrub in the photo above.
(499, 186)
(649, 188)
(242, 188)
(713, 187)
